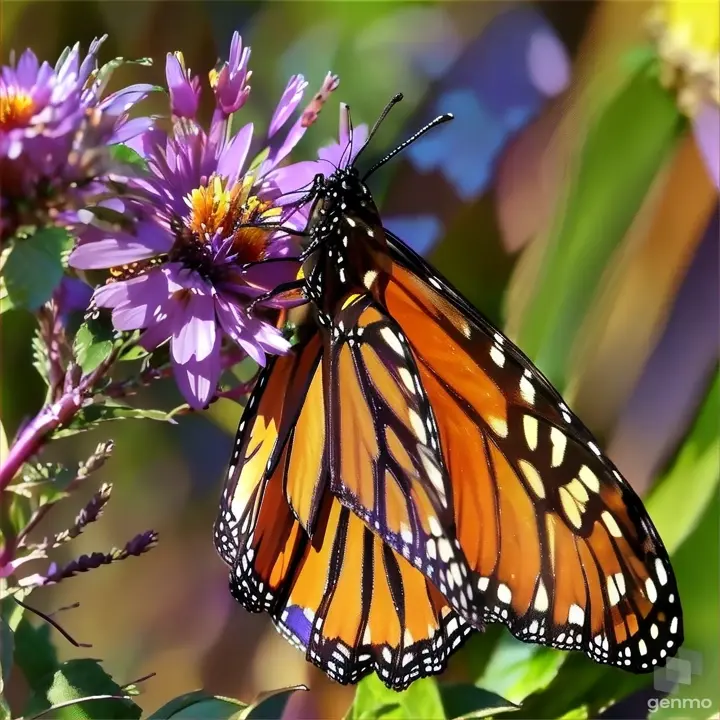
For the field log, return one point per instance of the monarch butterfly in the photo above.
(406, 475)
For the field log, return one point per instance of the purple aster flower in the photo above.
(55, 129)
(199, 254)
(229, 81)
(183, 86)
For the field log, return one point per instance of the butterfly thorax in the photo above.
(345, 224)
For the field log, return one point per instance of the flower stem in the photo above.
(50, 418)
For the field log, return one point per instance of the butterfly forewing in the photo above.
(561, 549)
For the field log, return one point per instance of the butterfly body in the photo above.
(406, 475)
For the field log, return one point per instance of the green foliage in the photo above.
(626, 146)
(199, 705)
(675, 511)
(124, 155)
(94, 415)
(516, 670)
(34, 267)
(81, 690)
(35, 654)
(469, 701)
(94, 342)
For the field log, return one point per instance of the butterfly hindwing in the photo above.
(386, 464)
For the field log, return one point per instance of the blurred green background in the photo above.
(568, 200)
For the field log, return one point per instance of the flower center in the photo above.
(222, 228)
(16, 108)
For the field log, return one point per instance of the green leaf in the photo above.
(92, 415)
(198, 705)
(35, 654)
(697, 570)
(94, 342)
(374, 700)
(124, 155)
(469, 701)
(41, 358)
(578, 713)
(269, 705)
(632, 137)
(75, 680)
(44, 483)
(101, 77)
(675, 511)
(7, 648)
(4, 447)
(35, 266)
(518, 669)
(5, 713)
(135, 352)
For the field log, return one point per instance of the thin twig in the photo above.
(138, 681)
(52, 622)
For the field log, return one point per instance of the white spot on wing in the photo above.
(392, 340)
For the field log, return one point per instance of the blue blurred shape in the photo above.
(420, 232)
(498, 86)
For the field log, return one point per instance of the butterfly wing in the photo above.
(385, 458)
(267, 423)
(560, 548)
(393, 621)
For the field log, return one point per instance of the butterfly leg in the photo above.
(279, 290)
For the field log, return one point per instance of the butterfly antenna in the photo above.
(437, 121)
(393, 102)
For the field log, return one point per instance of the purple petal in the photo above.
(291, 97)
(197, 336)
(198, 379)
(122, 248)
(234, 155)
(123, 100)
(27, 69)
(707, 136)
(292, 181)
(127, 130)
(118, 292)
(183, 96)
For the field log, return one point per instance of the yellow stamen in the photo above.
(687, 33)
(210, 206)
(16, 108)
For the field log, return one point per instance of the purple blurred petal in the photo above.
(129, 129)
(27, 68)
(291, 97)
(548, 63)
(707, 136)
(232, 160)
(292, 181)
(184, 98)
(123, 100)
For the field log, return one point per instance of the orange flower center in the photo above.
(16, 108)
(233, 212)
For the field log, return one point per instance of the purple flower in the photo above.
(229, 82)
(184, 88)
(55, 128)
(198, 255)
